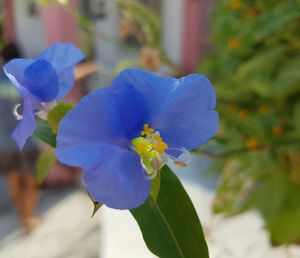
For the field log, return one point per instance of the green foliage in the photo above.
(44, 133)
(282, 208)
(255, 67)
(170, 225)
(56, 114)
(45, 162)
(46, 130)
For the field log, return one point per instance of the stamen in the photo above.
(155, 163)
(151, 149)
(148, 131)
(15, 112)
(159, 145)
(152, 167)
(153, 175)
(181, 160)
(45, 107)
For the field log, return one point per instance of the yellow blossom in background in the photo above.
(232, 105)
(244, 114)
(277, 130)
(252, 12)
(252, 143)
(235, 4)
(263, 109)
(234, 43)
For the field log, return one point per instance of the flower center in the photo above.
(151, 148)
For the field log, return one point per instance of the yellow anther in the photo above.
(157, 138)
(160, 147)
(159, 144)
(148, 131)
(179, 164)
(151, 142)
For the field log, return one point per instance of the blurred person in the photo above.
(17, 166)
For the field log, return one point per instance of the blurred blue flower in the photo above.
(121, 134)
(41, 81)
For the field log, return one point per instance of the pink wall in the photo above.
(59, 25)
(195, 32)
(9, 22)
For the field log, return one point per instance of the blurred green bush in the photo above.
(255, 66)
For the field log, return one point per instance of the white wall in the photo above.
(172, 26)
(108, 52)
(29, 30)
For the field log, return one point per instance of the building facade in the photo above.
(33, 27)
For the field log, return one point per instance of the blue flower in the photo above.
(41, 81)
(121, 135)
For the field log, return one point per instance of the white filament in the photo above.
(45, 107)
(184, 157)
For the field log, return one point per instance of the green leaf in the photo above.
(170, 226)
(155, 186)
(272, 22)
(45, 162)
(44, 132)
(56, 114)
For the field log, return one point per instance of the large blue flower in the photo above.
(119, 134)
(40, 81)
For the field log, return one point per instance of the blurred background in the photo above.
(245, 183)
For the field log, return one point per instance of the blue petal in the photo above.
(187, 117)
(66, 82)
(152, 88)
(62, 56)
(117, 179)
(37, 76)
(15, 71)
(27, 125)
(92, 136)
(182, 110)
(93, 122)
(42, 81)
(132, 107)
